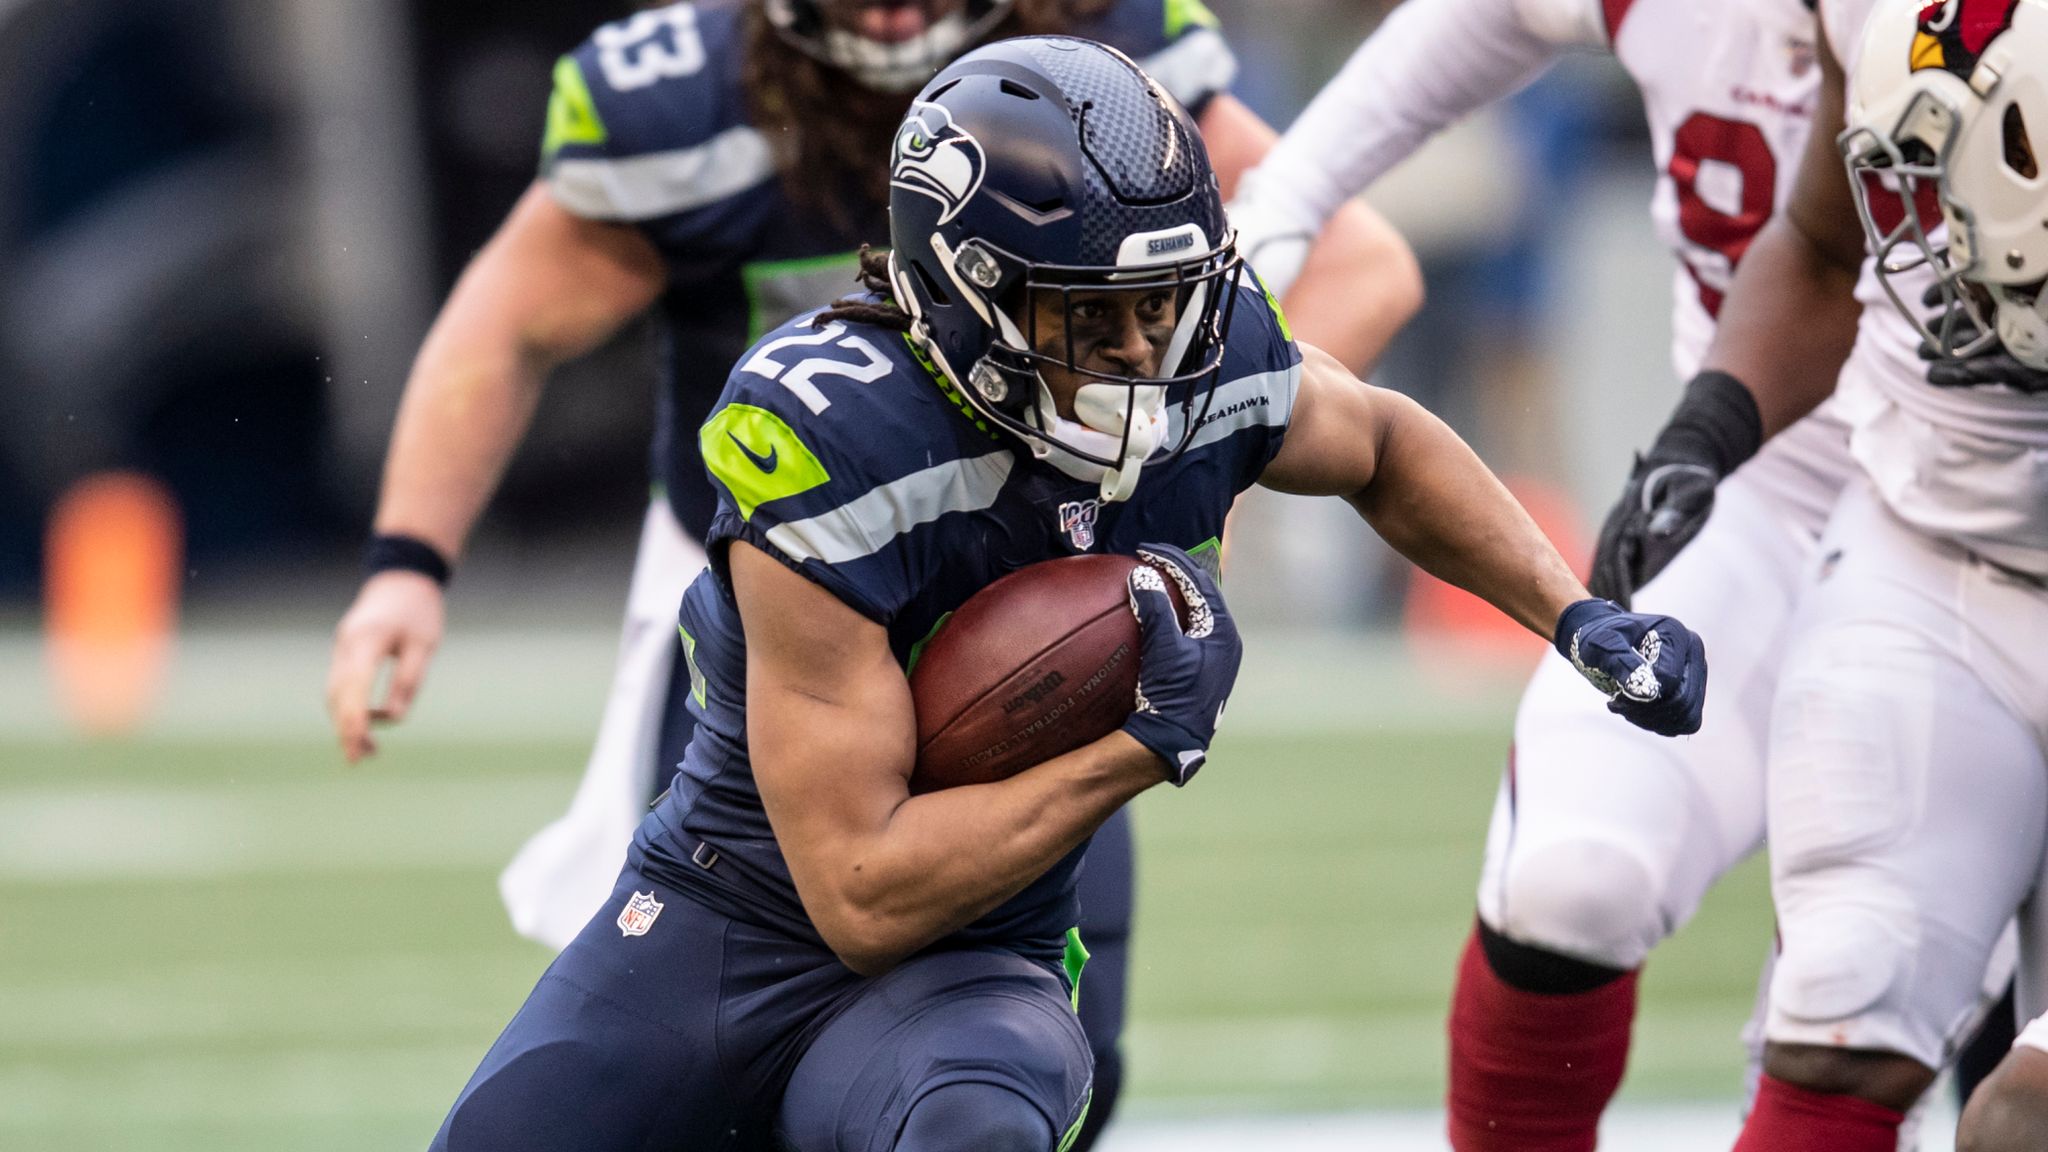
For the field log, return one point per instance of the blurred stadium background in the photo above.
(226, 223)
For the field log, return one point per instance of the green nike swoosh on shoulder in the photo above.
(728, 441)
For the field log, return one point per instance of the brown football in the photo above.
(1038, 663)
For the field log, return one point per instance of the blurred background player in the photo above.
(1061, 324)
(717, 163)
(1908, 788)
(1603, 841)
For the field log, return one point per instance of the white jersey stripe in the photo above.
(864, 525)
(1262, 400)
(663, 183)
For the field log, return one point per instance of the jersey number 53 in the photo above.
(651, 46)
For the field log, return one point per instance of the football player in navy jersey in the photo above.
(1060, 354)
(719, 163)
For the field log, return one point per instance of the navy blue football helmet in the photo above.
(1049, 164)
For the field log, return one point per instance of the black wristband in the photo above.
(405, 554)
(1716, 424)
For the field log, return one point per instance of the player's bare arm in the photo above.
(1360, 282)
(831, 734)
(548, 287)
(1427, 494)
(2009, 1112)
(1422, 489)
(1789, 320)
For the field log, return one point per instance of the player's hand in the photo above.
(1715, 427)
(1986, 368)
(398, 616)
(1664, 506)
(1992, 366)
(1272, 241)
(1184, 675)
(1652, 669)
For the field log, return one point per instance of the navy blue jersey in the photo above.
(837, 450)
(649, 125)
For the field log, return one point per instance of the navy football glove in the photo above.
(1652, 669)
(1184, 675)
(1671, 490)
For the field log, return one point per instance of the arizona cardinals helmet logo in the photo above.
(1954, 32)
(937, 158)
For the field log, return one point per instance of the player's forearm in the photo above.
(1360, 284)
(1788, 322)
(945, 859)
(1434, 500)
(467, 406)
(549, 287)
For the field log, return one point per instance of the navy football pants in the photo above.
(1106, 906)
(707, 1034)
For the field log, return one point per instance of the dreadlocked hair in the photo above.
(829, 133)
(873, 277)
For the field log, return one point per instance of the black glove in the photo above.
(1992, 366)
(1671, 489)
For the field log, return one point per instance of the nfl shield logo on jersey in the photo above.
(1077, 523)
(638, 914)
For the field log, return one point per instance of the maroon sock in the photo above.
(1532, 1072)
(1788, 1118)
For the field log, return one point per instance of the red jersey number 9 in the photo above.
(1705, 152)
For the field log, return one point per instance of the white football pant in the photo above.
(566, 871)
(1908, 788)
(1605, 837)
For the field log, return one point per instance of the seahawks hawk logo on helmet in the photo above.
(936, 158)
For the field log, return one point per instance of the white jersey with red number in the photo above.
(1729, 90)
(1970, 464)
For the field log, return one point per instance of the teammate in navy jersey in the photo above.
(719, 164)
(1061, 354)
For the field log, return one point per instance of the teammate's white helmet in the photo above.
(1949, 110)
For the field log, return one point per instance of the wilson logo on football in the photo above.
(936, 158)
(639, 914)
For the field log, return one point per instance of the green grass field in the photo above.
(239, 945)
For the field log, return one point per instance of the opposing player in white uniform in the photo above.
(1603, 843)
(1908, 785)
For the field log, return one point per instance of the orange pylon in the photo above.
(112, 561)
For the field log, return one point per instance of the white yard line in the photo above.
(349, 823)
(551, 684)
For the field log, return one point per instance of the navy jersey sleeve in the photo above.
(1177, 42)
(818, 461)
(648, 118)
(1246, 416)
